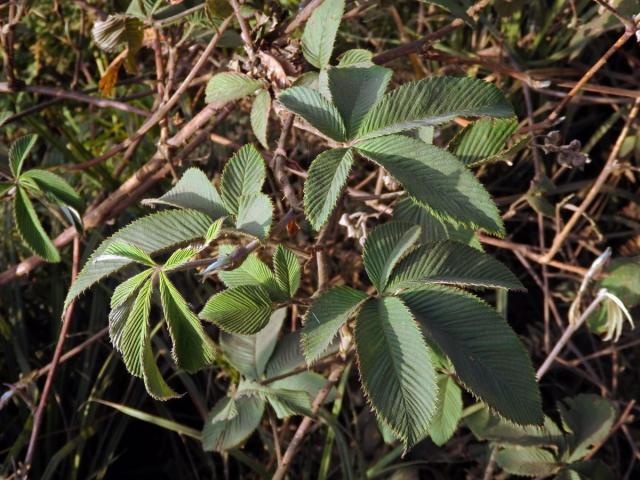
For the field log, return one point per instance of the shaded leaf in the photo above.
(153, 381)
(19, 152)
(118, 29)
(487, 355)
(192, 348)
(355, 90)
(327, 314)
(55, 185)
(436, 180)
(527, 461)
(385, 247)
(433, 101)
(30, 228)
(395, 368)
(482, 139)
(433, 228)
(260, 116)
(287, 355)
(245, 309)
(327, 175)
(230, 422)
(249, 354)
(452, 263)
(255, 213)
(315, 109)
(448, 410)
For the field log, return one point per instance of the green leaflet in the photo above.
(355, 90)
(433, 101)
(315, 109)
(320, 32)
(230, 422)
(243, 174)
(448, 411)
(193, 191)
(287, 355)
(527, 461)
(129, 287)
(30, 228)
(192, 348)
(153, 381)
(19, 152)
(451, 263)
(55, 185)
(588, 418)
(327, 175)
(482, 139)
(255, 213)
(118, 29)
(436, 180)
(384, 248)
(329, 312)
(245, 309)
(229, 86)
(287, 269)
(252, 271)
(356, 57)
(130, 336)
(395, 368)
(433, 228)
(486, 353)
(260, 116)
(126, 251)
(249, 354)
(169, 229)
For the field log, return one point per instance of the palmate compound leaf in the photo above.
(30, 228)
(329, 312)
(487, 355)
(448, 411)
(355, 90)
(315, 109)
(249, 354)
(231, 421)
(433, 101)
(385, 247)
(243, 175)
(482, 139)
(287, 269)
(192, 348)
(193, 191)
(327, 175)
(435, 179)
(153, 234)
(260, 116)
(244, 310)
(395, 368)
(54, 185)
(451, 263)
(255, 214)
(19, 152)
(433, 228)
(229, 86)
(320, 32)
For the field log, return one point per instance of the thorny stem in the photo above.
(66, 323)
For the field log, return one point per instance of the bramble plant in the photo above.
(415, 330)
(225, 272)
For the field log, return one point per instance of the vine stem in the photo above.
(293, 447)
(57, 354)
